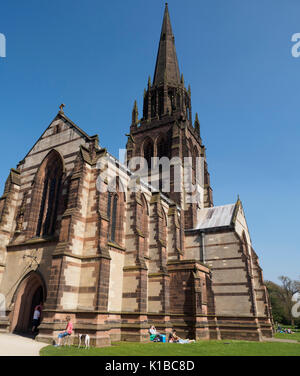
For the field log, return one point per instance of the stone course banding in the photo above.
(120, 262)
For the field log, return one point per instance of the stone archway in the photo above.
(29, 294)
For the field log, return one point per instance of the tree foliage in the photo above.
(281, 300)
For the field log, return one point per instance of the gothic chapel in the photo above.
(118, 262)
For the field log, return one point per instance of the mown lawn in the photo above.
(295, 336)
(200, 348)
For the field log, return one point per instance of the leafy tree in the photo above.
(288, 289)
(281, 299)
(276, 303)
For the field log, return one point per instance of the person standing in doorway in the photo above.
(36, 319)
(40, 308)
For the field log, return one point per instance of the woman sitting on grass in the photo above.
(173, 338)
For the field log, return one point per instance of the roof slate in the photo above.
(218, 216)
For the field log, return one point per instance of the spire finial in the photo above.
(149, 82)
(61, 108)
(166, 57)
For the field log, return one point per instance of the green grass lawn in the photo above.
(200, 348)
(295, 336)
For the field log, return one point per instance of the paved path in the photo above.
(14, 345)
(279, 340)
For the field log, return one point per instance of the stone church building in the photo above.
(121, 260)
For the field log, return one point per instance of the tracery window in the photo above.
(112, 210)
(116, 215)
(48, 185)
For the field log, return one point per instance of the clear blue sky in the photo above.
(95, 56)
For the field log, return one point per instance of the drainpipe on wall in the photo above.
(202, 248)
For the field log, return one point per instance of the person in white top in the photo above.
(36, 319)
(154, 335)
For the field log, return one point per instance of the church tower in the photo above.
(167, 129)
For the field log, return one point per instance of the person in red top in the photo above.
(68, 331)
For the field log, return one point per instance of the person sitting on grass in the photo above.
(154, 335)
(173, 338)
(68, 331)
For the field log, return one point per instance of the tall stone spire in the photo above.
(166, 68)
(166, 127)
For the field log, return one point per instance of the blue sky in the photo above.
(96, 56)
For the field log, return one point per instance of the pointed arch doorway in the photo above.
(29, 294)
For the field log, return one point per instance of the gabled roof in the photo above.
(218, 216)
(61, 115)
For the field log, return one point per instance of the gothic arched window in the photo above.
(144, 216)
(148, 151)
(112, 209)
(195, 165)
(161, 151)
(144, 223)
(48, 187)
(162, 147)
(163, 238)
(115, 214)
(164, 226)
